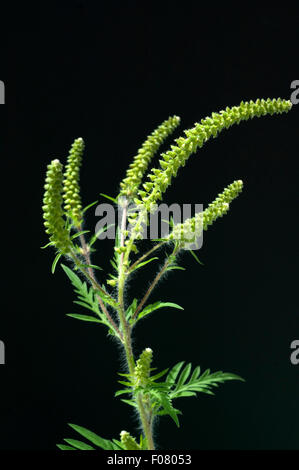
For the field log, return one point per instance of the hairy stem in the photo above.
(154, 283)
(145, 256)
(91, 277)
(127, 329)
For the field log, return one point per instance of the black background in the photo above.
(111, 74)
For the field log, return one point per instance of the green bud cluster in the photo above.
(172, 160)
(71, 188)
(220, 206)
(192, 228)
(52, 210)
(142, 369)
(138, 167)
(128, 441)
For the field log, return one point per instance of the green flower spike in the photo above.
(220, 206)
(192, 228)
(52, 210)
(142, 369)
(131, 183)
(209, 127)
(128, 441)
(71, 188)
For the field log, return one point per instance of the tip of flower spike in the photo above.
(148, 350)
(56, 162)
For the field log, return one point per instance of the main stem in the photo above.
(126, 331)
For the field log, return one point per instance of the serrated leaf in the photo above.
(195, 373)
(200, 384)
(92, 437)
(79, 444)
(170, 379)
(184, 375)
(166, 404)
(56, 259)
(185, 394)
(84, 317)
(93, 308)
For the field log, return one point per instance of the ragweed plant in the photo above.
(151, 394)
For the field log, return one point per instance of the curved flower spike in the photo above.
(172, 160)
(138, 167)
(192, 228)
(52, 210)
(71, 188)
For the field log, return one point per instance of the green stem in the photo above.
(145, 256)
(95, 284)
(168, 261)
(127, 329)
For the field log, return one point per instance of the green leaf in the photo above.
(195, 373)
(94, 266)
(184, 375)
(84, 317)
(46, 246)
(92, 437)
(185, 394)
(109, 197)
(56, 259)
(93, 308)
(79, 444)
(170, 268)
(197, 383)
(170, 379)
(195, 257)
(160, 374)
(96, 235)
(143, 263)
(118, 444)
(167, 406)
(65, 447)
(88, 295)
(156, 306)
(131, 309)
(75, 280)
(121, 392)
(122, 382)
(79, 233)
(129, 402)
(89, 205)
